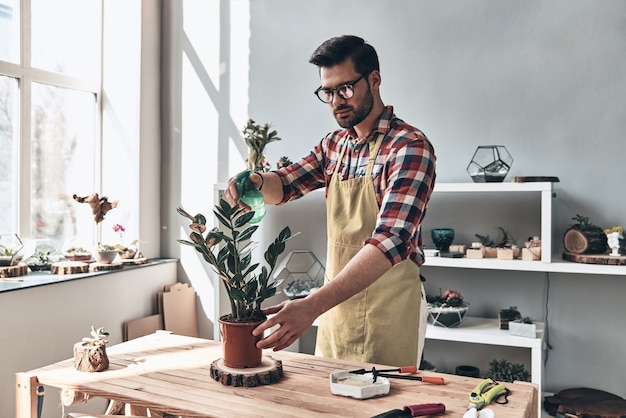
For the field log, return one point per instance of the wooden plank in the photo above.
(26, 395)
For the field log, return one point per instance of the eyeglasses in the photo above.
(345, 91)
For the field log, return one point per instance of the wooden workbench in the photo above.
(170, 373)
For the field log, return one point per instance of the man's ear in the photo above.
(375, 78)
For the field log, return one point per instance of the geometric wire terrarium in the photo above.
(301, 273)
(490, 164)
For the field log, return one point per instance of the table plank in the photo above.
(171, 373)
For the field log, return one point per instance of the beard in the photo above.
(359, 113)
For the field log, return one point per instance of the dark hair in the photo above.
(338, 49)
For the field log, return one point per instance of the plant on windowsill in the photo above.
(447, 309)
(229, 252)
(90, 354)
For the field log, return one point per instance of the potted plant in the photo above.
(447, 309)
(10, 247)
(505, 371)
(229, 253)
(523, 327)
(126, 251)
(256, 138)
(105, 253)
(90, 354)
(507, 315)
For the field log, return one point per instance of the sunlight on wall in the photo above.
(214, 43)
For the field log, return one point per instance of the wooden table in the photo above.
(170, 373)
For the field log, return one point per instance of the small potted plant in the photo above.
(10, 247)
(523, 327)
(90, 354)
(229, 253)
(505, 371)
(126, 251)
(256, 138)
(447, 309)
(507, 315)
(105, 253)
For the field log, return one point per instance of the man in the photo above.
(379, 173)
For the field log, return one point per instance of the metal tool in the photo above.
(414, 411)
(412, 369)
(486, 392)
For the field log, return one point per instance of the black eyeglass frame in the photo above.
(349, 84)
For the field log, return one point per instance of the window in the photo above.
(50, 78)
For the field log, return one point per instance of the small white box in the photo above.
(522, 330)
(358, 386)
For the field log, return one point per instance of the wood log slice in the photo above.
(7, 272)
(268, 372)
(69, 267)
(134, 261)
(105, 267)
(605, 259)
(588, 241)
(586, 403)
(90, 358)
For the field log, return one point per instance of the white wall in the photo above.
(543, 78)
(40, 325)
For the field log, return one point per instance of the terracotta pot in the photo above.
(239, 345)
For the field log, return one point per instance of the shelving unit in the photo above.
(487, 331)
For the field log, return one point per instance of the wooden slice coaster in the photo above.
(105, 267)
(268, 372)
(7, 272)
(134, 261)
(69, 267)
(606, 259)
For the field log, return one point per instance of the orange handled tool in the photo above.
(406, 369)
(426, 379)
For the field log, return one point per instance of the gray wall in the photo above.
(544, 78)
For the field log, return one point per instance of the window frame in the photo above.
(25, 76)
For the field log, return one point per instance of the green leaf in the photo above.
(247, 233)
(244, 219)
(236, 294)
(223, 220)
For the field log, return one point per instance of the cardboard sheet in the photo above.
(142, 326)
(178, 305)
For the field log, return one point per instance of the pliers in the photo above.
(486, 392)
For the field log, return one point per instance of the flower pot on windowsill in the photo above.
(447, 316)
(105, 257)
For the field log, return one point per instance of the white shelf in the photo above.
(483, 331)
(487, 331)
(544, 188)
(556, 266)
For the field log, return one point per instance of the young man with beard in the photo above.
(379, 173)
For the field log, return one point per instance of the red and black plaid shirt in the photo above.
(404, 176)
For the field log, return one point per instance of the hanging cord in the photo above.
(546, 331)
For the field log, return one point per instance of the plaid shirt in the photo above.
(404, 176)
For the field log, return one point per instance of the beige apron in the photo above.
(381, 324)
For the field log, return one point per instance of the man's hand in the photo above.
(294, 317)
(231, 195)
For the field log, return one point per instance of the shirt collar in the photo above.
(382, 126)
